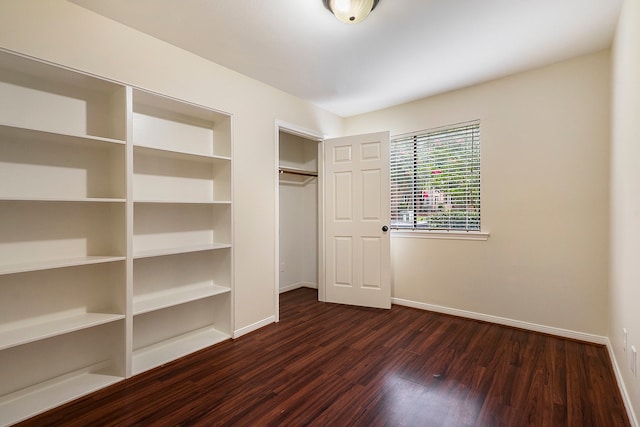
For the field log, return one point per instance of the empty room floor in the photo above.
(327, 364)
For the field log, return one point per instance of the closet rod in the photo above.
(298, 172)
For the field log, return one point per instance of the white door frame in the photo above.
(282, 126)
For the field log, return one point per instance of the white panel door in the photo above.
(357, 218)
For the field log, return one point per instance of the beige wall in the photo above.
(545, 163)
(64, 33)
(544, 133)
(624, 292)
(298, 234)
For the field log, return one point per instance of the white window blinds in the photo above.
(435, 179)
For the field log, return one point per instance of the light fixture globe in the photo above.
(350, 11)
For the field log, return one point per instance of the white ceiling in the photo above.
(404, 50)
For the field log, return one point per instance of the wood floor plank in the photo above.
(334, 365)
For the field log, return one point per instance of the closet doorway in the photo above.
(299, 249)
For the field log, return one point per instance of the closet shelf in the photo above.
(157, 354)
(171, 297)
(176, 154)
(46, 395)
(52, 327)
(9, 131)
(296, 171)
(179, 250)
(56, 263)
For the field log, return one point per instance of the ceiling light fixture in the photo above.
(350, 11)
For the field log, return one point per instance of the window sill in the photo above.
(439, 234)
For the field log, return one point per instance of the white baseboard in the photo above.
(271, 319)
(623, 389)
(298, 285)
(254, 326)
(566, 333)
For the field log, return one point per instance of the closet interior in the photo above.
(298, 207)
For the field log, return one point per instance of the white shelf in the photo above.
(297, 171)
(158, 354)
(177, 154)
(62, 199)
(56, 263)
(10, 131)
(180, 250)
(296, 176)
(53, 327)
(33, 400)
(186, 202)
(168, 298)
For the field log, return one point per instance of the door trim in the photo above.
(282, 126)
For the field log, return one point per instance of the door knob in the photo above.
(385, 228)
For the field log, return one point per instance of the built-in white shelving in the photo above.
(181, 223)
(182, 155)
(8, 131)
(62, 199)
(50, 327)
(115, 233)
(18, 406)
(187, 202)
(158, 354)
(177, 177)
(168, 298)
(50, 371)
(56, 263)
(179, 250)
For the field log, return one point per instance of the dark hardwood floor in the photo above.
(333, 365)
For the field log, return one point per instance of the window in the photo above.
(435, 179)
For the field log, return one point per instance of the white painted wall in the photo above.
(64, 33)
(624, 288)
(298, 235)
(545, 169)
(310, 233)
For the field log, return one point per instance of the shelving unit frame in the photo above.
(116, 207)
(182, 214)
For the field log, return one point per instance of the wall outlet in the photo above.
(624, 339)
(283, 267)
(634, 361)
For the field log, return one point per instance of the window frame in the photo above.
(437, 233)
